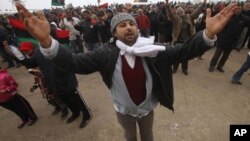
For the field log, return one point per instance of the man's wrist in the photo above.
(209, 41)
(46, 43)
(209, 35)
(51, 51)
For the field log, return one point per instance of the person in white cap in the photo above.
(137, 71)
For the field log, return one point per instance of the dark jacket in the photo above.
(104, 31)
(104, 61)
(229, 36)
(3, 36)
(165, 26)
(89, 31)
(57, 80)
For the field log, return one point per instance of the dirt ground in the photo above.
(205, 105)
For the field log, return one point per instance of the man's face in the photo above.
(153, 9)
(102, 18)
(68, 15)
(127, 32)
(86, 15)
(180, 12)
(140, 12)
(53, 16)
(238, 10)
(247, 6)
(189, 9)
(124, 10)
(109, 14)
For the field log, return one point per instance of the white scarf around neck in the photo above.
(143, 47)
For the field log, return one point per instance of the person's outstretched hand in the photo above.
(215, 24)
(37, 26)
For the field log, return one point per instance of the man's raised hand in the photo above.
(215, 24)
(37, 26)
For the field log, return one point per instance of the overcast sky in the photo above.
(41, 4)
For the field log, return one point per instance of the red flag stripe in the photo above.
(62, 33)
(105, 6)
(16, 23)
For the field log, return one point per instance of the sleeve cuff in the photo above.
(209, 41)
(52, 51)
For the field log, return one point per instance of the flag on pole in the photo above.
(98, 2)
(57, 3)
(140, 0)
(105, 6)
(62, 36)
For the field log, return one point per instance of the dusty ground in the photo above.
(205, 105)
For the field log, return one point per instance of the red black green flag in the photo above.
(21, 32)
(57, 3)
(62, 36)
(23, 35)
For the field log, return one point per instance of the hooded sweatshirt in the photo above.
(8, 84)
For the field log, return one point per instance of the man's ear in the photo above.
(115, 34)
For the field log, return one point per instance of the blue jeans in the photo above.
(237, 76)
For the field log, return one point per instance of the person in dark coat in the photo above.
(90, 30)
(28, 49)
(3, 53)
(104, 27)
(228, 39)
(165, 27)
(137, 71)
(62, 84)
(153, 14)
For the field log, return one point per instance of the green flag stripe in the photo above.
(34, 41)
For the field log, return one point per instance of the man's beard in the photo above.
(130, 40)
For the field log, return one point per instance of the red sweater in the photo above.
(143, 22)
(135, 80)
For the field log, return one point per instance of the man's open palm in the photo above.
(37, 26)
(215, 24)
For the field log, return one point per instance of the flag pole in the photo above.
(98, 1)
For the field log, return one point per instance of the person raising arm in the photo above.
(136, 70)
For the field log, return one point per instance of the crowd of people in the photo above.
(119, 42)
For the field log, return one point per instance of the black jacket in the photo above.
(229, 36)
(89, 31)
(104, 61)
(58, 80)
